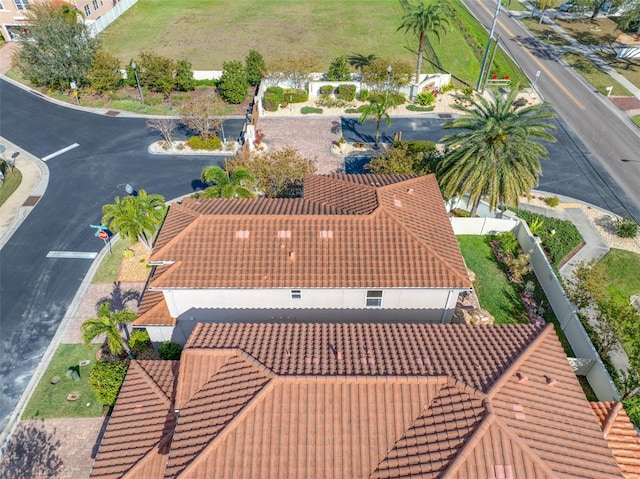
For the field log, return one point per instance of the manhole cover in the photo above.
(112, 113)
(73, 396)
(84, 362)
(31, 201)
(445, 115)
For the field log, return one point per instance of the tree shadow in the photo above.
(119, 298)
(536, 47)
(32, 452)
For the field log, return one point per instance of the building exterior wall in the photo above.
(179, 301)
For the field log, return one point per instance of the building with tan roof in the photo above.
(359, 400)
(356, 247)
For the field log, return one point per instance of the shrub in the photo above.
(199, 143)
(326, 90)
(169, 351)
(207, 82)
(347, 92)
(184, 76)
(331, 102)
(255, 67)
(426, 98)
(270, 102)
(447, 88)
(626, 228)
(355, 110)
(105, 73)
(106, 378)
(293, 95)
(460, 213)
(156, 72)
(397, 98)
(339, 69)
(508, 243)
(364, 95)
(310, 109)
(139, 340)
(536, 225)
(552, 201)
(233, 83)
(420, 108)
(277, 91)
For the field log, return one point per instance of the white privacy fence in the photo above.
(108, 18)
(587, 361)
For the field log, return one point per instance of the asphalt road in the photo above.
(607, 141)
(570, 170)
(35, 291)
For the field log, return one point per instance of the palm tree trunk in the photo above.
(377, 130)
(420, 51)
(474, 208)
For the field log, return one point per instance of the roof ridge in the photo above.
(165, 273)
(153, 309)
(520, 359)
(446, 264)
(153, 384)
(466, 388)
(231, 426)
(415, 179)
(164, 441)
(183, 232)
(611, 418)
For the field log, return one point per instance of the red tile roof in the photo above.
(350, 231)
(368, 400)
(622, 437)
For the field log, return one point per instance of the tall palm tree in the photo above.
(238, 184)
(495, 155)
(108, 322)
(419, 19)
(136, 217)
(378, 109)
(359, 61)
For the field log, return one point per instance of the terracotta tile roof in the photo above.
(396, 235)
(622, 437)
(374, 400)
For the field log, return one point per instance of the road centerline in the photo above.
(60, 152)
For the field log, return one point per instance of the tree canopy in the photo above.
(58, 50)
(237, 184)
(496, 153)
(108, 322)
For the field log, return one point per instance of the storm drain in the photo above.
(445, 115)
(112, 113)
(31, 201)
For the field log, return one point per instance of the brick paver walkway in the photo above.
(311, 137)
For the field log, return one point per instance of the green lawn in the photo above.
(599, 79)
(495, 293)
(636, 119)
(209, 33)
(49, 400)
(620, 269)
(11, 182)
(110, 266)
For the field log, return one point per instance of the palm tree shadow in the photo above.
(119, 298)
(32, 452)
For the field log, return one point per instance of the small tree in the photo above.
(165, 126)
(339, 69)
(105, 73)
(255, 67)
(156, 72)
(294, 69)
(106, 378)
(376, 74)
(403, 159)
(58, 51)
(279, 174)
(169, 351)
(203, 116)
(108, 322)
(378, 110)
(237, 184)
(184, 76)
(233, 83)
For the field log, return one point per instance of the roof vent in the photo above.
(522, 378)
(550, 381)
(326, 233)
(242, 234)
(419, 361)
(307, 360)
(287, 353)
(292, 256)
(363, 361)
(284, 234)
(397, 203)
(410, 191)
(502, 471)
(520, 415)
(315, 360)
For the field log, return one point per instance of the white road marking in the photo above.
(71, 254)
(60, 152)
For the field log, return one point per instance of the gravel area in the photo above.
(601, 220)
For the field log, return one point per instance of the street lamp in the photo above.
(135, 72)
(389, 70)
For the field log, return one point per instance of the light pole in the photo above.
(224, 139)
(389, 70)
(134, 66)
(486, 51)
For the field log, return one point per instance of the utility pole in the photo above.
(486, 51)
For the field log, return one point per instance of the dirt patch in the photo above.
(134, 268)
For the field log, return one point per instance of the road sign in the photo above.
(103, 235)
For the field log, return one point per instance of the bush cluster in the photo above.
(626, 228)
(199, 143)
(552, 201)
(427, 98)
(326, 90)
(559, 237)
(420, 108)
(364, 95)
(106, 378)
(293, 95)
(139, 340)
(169, 351)
(310, 109)
(347, 92)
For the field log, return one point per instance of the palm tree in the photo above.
(420, 19)
(496, 153)
(136, 217)
(238, 184)
(378, 109)
(108, 322)
(359, 61)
